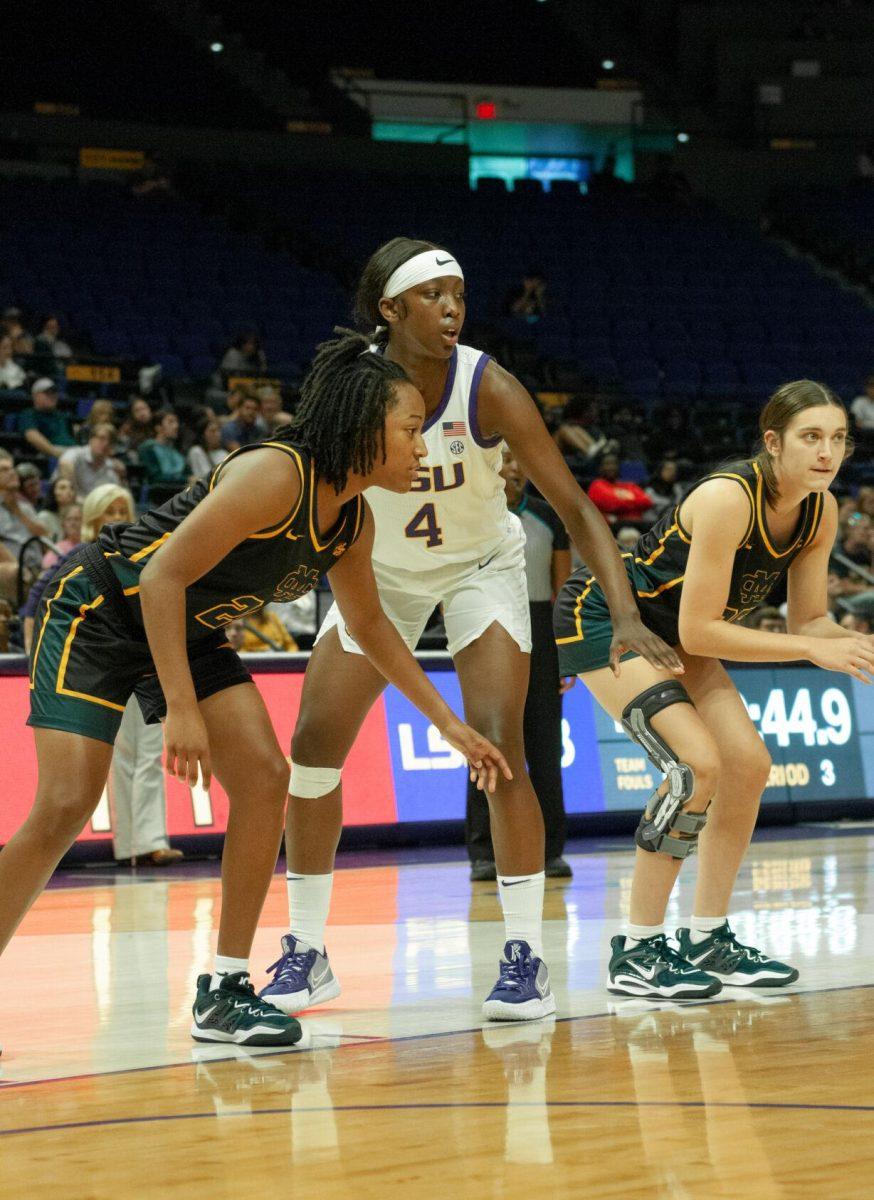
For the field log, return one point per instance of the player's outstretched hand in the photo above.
(187, 746)
(632, 634)
(851, 655)
(483, 759)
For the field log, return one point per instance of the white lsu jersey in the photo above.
(456, 510)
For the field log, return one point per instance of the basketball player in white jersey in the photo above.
(450, 542)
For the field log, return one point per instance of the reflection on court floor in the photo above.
(399, 1089)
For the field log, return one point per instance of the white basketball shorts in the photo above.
(473, 596)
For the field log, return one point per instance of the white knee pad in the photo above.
(312, 782)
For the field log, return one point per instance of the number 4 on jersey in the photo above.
(424, 525)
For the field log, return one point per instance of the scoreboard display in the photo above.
(818, 727)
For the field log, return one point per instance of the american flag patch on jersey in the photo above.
(453, 429)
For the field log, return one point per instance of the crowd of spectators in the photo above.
(61, 454)
(57, 450)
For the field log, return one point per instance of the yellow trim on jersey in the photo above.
(660, 548)
(151, 548)
(750, 497)
(663, 587)
(577, 615)
(274, 530)
(57, 595)
(818, 504)
(131, 591)
(760, 517)
(318, 546)
(62, 669)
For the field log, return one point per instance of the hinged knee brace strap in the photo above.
(664, 818)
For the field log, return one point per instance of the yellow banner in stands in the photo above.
(91, 373)
(95, 158)
(252, 381)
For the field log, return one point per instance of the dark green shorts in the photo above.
(582, 625)
(85, 664)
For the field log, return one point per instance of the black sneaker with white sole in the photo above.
(233, 1013)
(733, 963)
(652, 967)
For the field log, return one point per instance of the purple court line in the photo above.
(355, 1040)
(428, 1106)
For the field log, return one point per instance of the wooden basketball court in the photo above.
(400, 1090)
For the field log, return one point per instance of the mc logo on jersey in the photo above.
(433, 479)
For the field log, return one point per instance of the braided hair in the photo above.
(379, 269)
(344, 399)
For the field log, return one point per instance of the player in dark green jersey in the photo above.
(696, 574)
(143, 612)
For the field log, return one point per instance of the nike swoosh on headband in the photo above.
(441, 262)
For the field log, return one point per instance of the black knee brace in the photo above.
(664, 818)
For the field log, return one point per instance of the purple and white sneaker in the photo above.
(302, 978)
(522, 992)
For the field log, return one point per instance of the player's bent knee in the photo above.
(60, 816)
(669, 824)
(313, 740)
(311, 783)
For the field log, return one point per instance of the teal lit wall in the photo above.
(504, 148)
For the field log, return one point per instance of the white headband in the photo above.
(430, 264)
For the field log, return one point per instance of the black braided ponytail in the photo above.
(343, 404)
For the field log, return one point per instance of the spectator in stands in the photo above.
(626, 538)
(89, 466)
(862, 409)
(767, 619)
(207, 451)
(618, 498)
(101, 412)
(245, 357)
(578, 435)
(22, 342)
(18, 522)
(235, 634)
(263, 631)
(106, 505)
(48, 345)
(664, 488)
(61, 493)
(272, 412)
(865, 501)
(71, 536)
(30, 484)
(527, 300)
(672, 436)
(12, 375)
(164, 465)
(854, 540)
(137, 427)
(45, 429)
(625, 431)
(858, 612)
(246, 427)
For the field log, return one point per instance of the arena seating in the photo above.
(666, 303)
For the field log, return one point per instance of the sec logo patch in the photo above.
(456, 447)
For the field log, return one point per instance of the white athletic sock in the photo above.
(700, 928)
(226, 966)
(637, 933)
(309, 899)
(522, 902)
